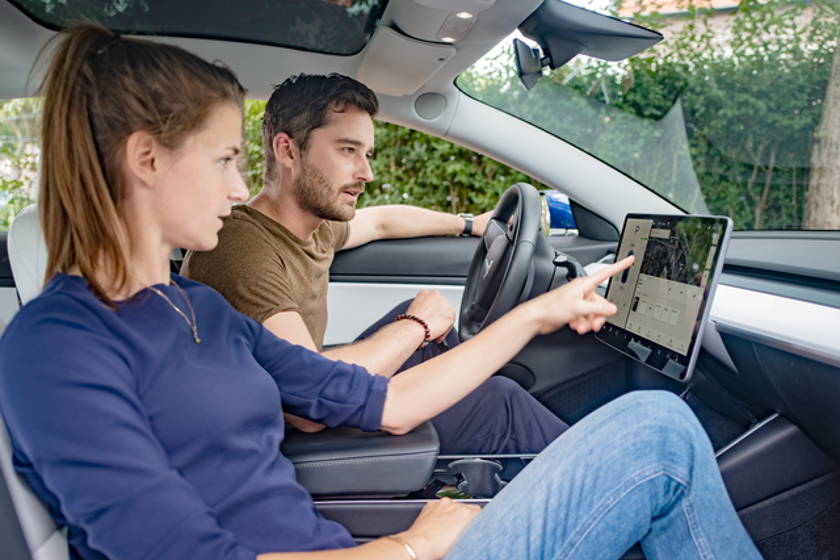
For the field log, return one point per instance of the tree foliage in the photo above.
(720, 117)
(19, 152)
(409, 167)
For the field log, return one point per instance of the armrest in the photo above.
(349, 462)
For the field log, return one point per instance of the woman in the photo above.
(152, 426)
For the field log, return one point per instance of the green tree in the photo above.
(720, 117)
(19, 152)
(409, 167)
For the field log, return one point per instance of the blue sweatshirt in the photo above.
(148, 445)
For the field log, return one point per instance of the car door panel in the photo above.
(367, 281)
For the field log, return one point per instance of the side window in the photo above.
(411, 167)
(20, 148)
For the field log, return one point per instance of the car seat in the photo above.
(336, 462)
(28, 259)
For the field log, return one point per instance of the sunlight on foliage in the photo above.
(720, 117)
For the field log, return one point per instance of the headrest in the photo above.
(27, 253)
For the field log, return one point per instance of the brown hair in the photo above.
(303, 103)
(100, 88)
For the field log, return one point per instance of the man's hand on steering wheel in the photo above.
(480, 224)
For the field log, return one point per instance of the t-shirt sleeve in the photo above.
(341, 231)
(246, 270)
(331, 392)
(74, 412)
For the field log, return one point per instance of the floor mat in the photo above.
(818, 539)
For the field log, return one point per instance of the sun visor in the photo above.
(394, 64)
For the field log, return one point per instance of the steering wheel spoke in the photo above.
(500, 266)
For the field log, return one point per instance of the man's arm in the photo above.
(382, 353)
(400, 222)
(388, 348)
(414, 396)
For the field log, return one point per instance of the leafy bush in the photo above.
(409, 167)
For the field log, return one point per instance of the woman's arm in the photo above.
(74, 413)
(415, 395)
(431, 536)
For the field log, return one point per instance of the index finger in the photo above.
(595, 279)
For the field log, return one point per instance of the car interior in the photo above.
(766, 385)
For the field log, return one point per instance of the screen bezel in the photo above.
(659, 357)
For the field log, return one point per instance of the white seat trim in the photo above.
(28, 259)
(27, 253)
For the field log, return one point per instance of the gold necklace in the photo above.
(193, 325)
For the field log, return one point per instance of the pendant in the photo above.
(197, 340)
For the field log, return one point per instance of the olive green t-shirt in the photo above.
(262, 268)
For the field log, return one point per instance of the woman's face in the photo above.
(200, 182)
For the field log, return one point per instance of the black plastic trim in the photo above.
(376, 518)
(772, 458)
(436, 260)
(349, 462)
(591, 225)
(370, 279)
(787, 254)
(6, 278)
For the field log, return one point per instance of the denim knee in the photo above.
(661, 406)
(666, 418)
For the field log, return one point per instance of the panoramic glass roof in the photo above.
(340, 27)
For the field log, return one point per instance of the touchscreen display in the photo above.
(663, 298)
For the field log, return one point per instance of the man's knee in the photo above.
(502, 394)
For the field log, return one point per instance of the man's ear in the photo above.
(142, 158)
(285, 150)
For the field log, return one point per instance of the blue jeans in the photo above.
(638, 469)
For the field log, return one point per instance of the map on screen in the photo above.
(663, 299)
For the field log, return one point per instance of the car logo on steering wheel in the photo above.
(487, 267)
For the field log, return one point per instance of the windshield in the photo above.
(736, 112)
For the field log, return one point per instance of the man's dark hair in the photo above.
(303, 103)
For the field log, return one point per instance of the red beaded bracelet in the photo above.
(428, 337)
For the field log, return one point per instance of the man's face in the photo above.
(335, 167)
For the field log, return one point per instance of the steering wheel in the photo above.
(503, 260)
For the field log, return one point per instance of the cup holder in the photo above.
(480, 477)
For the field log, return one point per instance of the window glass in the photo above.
(409, 167)
(731, 114)
(20, 147)
(330, 26)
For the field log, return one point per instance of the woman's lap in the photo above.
(640, 468)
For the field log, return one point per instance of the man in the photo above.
(273, 257)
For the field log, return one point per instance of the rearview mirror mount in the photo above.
(564, 31)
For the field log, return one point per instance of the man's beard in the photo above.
(317, 195)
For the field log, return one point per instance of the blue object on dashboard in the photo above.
(559, 210)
